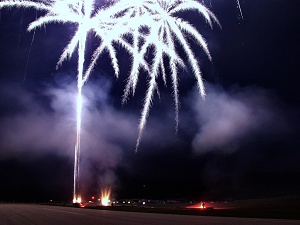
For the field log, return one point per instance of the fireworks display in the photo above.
(134, 58)
(153, 24)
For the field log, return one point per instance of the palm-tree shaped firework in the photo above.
(159, 19)
(150, 23)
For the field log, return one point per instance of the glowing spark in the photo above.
(240, 9)
(105, 197)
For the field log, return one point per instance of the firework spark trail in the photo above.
(240, 9)
(159, 17)
(112, 24)
(141, 14)
(29, 52)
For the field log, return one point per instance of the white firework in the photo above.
(165, 28)
(151, 24)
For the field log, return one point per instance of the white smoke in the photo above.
(226, 119)
(45, 121)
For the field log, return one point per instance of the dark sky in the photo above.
(241, 142)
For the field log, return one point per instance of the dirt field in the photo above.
(34, 214)
(276, 208)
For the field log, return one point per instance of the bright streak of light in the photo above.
(240, 9)
(105, 197)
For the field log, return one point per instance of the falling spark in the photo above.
(164, 28)
(111, 24)
(159, 18)
(240, 9)
(27, 61)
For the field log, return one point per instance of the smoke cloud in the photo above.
(227, 119)
(34, 123)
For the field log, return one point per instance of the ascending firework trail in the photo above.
(152, 24)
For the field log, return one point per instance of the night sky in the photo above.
(241, 142)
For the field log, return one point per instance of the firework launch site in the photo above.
(275, 208)
(29, 214)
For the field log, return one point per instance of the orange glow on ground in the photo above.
(200, 205)
(215, 205)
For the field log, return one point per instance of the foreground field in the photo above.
(275, 208)
(31, 214)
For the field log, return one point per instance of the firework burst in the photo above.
(152, 24)
(163, 28)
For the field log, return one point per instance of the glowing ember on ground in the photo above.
(105, 195)
(200, 205)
